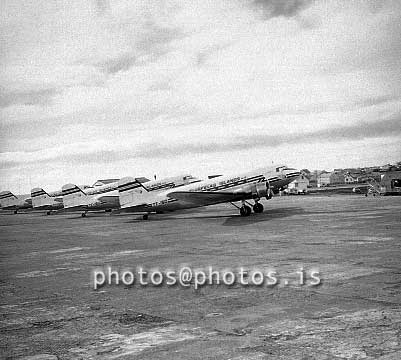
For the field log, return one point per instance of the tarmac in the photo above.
(50, 310)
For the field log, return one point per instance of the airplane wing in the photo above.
(206, 197)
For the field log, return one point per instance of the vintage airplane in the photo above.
(254, 185)
(134, 194)
(97, 198)
(8, 201)
(41, 200)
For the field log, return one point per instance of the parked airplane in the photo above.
(8, 201)
(41, 200)
(104, 197)
(251, 185)
(134, 193)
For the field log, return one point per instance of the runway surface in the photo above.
(49, 306)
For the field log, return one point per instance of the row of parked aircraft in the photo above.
(140, 195)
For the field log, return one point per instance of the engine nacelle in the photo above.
(261, 189)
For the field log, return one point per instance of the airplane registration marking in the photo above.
(161, 202)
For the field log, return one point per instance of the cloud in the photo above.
(277, 8)
(102, 7)
(148, 45)
(33, 97)
(100, 152)
(205, 54)
(121, 63)
(95, 82)
(360, 131)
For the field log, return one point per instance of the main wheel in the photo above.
(83, 215)
(258, 208)
(145, 217)
(245, 210)
(48, 213)
(15, 211)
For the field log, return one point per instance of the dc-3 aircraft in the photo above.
(41, 200)
(144, 198)
(136, 196)
(96, 198)
(8, 201)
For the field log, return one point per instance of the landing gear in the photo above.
(145, 216)
(245, 210)
(83, 214)
(15, 211)
(258, 208)
(48, 213)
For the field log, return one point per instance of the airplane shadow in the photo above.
(230, 219)
(267, 215)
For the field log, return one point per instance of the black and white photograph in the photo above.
(200, 179)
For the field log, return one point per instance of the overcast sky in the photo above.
(103, 89)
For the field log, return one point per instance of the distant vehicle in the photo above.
(233, 188)
(9, 201)
(41, 200)
(295, 191)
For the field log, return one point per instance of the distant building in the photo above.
(390, 183)
(299, 185)
(332, 178)
(349, 179)
(313, 179)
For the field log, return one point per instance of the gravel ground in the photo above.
(50, 310)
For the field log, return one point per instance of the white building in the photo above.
(298, 186)
(390, 183)
(348, 179)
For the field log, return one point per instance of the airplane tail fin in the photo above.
(73, 196)
(7, 199)
(131, 192)
(41, 199)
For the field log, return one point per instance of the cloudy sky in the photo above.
(97, 89)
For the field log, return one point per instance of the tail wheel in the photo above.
(245, 210)
(258, 208)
